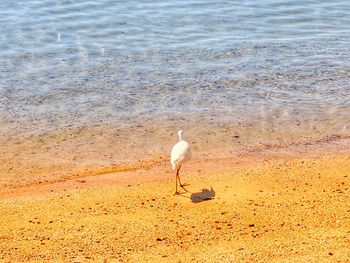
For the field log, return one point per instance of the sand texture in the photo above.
(282, 210)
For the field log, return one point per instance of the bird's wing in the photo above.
(179, 152)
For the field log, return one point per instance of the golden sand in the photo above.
(278, 210)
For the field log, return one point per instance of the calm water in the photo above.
(270, 69)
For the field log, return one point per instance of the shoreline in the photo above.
(159, 170)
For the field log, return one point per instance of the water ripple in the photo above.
(69, 62)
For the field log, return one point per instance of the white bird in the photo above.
(180, 154)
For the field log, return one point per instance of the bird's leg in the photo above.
(177, 175)
(181, 185)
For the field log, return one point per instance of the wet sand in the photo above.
(253, 207)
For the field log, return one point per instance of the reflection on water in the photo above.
(230, 73)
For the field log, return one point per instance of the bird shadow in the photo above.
(204, 195)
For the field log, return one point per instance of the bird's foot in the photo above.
(183, 187)
(176, 193)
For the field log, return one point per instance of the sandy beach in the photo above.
(269, 209)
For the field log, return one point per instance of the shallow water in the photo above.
(82, 80)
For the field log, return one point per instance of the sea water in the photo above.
(103, 82)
